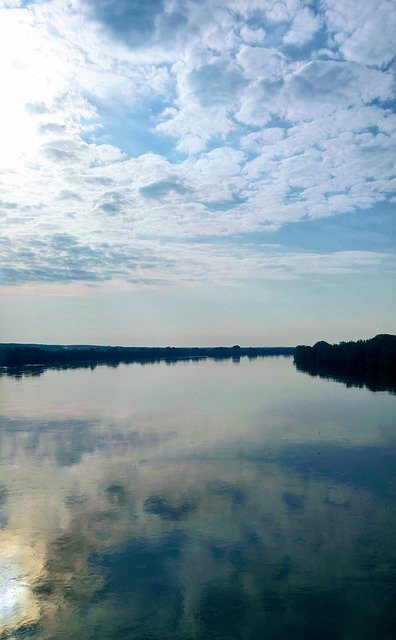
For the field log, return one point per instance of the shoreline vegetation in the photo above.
(370, 363)
(34, 358)
(364, 363)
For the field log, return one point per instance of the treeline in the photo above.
(19, 355)
(371, 363)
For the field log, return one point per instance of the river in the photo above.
(209, 500)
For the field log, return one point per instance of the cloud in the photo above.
(135, 23)
(8, 205)
(247, 115)
(254, 36)
(58, 258)
(327, 83)
(66, 194)
(194, 127)
(62, 257)
(217, 83)
(52, 127)
(63, 151)
(258, 140)
(112, 202)
(304, 26)
(312, 90)
(260, 62)
(364, 32)
(162, 188)
(37, 107)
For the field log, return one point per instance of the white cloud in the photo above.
(364, 31)
(256, 142)
(260, 62)
(314, 89)
(252, 36)
(304, 26)
(66, 258)
(281, 10)
(237, 134)
(194, 127)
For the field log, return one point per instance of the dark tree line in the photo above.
(15, 355)
(366, 362)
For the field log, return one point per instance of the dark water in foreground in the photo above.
(197, 501)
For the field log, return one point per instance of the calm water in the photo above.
(200, 500)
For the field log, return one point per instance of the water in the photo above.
(196, 501)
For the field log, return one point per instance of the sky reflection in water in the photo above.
(196, 501)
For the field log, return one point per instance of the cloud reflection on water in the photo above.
(20, 564)
(143, 536)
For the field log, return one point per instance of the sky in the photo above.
(196, 172)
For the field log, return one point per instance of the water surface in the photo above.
(196, 501)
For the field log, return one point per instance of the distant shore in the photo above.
(370, 363)
(19, 355)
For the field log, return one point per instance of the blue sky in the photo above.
(188, 172)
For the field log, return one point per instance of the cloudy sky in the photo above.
(196, 172)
